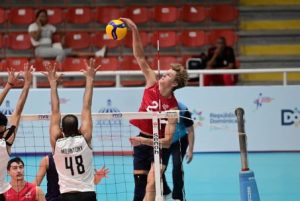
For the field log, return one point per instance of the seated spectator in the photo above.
(220, 57)
(41, 33)
(21, 189)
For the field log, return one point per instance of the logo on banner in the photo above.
(198, 118)
(7, 109)
(222, 121)
(290, 117)
(261, 100)
(109, 108)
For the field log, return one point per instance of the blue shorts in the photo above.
(143, 155)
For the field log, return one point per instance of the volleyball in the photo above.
(116, 29)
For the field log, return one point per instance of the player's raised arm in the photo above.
(138, 52)
(53, 78)
(86, 127)
(11, 81)
(42, 171)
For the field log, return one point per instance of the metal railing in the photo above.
(200, 73)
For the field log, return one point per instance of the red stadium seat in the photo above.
(79, 15)
(194, 13)
(165, 62)
(107, 64)
(15, 62)
(144, 37)
(138, 14)
(166, 39)
(3, 16)
(100, 39)
(78, 40)
(129, 63)
(230, 36)
(55, 15)
(19, 41)
(165, 14)
(224, 13)
(194, 38)
(73, 64)
(21, 15)
(105, 14)
(39, 65)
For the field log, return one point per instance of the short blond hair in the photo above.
(181, 75)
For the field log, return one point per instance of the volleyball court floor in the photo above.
(209, 177)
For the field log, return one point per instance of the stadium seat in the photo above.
(129, 63)
(104, 14)
(3, 16)
(194, 13)
(164, 61)
(55, 15)
(138, 14)
(195, 38)
(79, 15)
(144, 37)
(100, 39)
(107, 64)
(78, 40)
(165, 14)
(39, 64)
(229, 34)
(21, 15)
(19, 41)
(166, 39)
(224, 13)
(73, 64)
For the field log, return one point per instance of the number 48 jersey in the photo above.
(74, 163)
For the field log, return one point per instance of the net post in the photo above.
(157, 169)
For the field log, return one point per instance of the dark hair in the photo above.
(41, 11)
(3, 119)
(17, 160)
(69, 125)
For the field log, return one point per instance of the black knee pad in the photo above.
(140, 181)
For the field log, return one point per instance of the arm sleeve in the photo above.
(32, 27)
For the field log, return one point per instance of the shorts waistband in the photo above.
(145, 136)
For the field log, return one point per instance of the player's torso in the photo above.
(4, 160)
(74, 163)
(28, 193)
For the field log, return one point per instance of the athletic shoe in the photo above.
(101, 52)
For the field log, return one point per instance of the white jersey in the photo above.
(4, 186)
(74, 163)
(46, 34)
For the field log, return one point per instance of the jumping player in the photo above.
(7, 135)
(72, 154)
(47, 168)
(21, 190)
(155, 91)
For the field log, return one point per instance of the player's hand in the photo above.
(135, 141)
(91, 69)
(13, 78)
(189, 156)
(129, 23)
(51, 73)
(27, 74)
(101, 173)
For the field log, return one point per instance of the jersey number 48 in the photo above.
(78, 164)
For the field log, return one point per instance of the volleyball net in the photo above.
(111, 147)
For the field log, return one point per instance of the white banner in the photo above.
(272, 116)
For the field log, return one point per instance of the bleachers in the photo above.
(184, 28)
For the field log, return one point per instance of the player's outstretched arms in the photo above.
(138, 52)
(86, 127)
(100, 174)
(53, 78)
(12, 80)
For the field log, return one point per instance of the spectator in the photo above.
(220, 57)
(41, 33)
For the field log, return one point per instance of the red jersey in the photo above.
(28, 193)
(150, 103)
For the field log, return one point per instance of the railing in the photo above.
(200, 73)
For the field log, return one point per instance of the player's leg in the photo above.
(142, 156)
(178, 154)
(166, 188)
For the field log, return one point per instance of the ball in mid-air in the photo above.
(116, 29)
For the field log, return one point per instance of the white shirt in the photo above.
(74, 163)
(46, 34)
(4, 186)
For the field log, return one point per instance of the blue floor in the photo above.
(210, 177)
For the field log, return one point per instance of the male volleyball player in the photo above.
(7, 135)
(183, 143)
(21, 190)
(73, 154)
(47, 167)
(156, 91)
